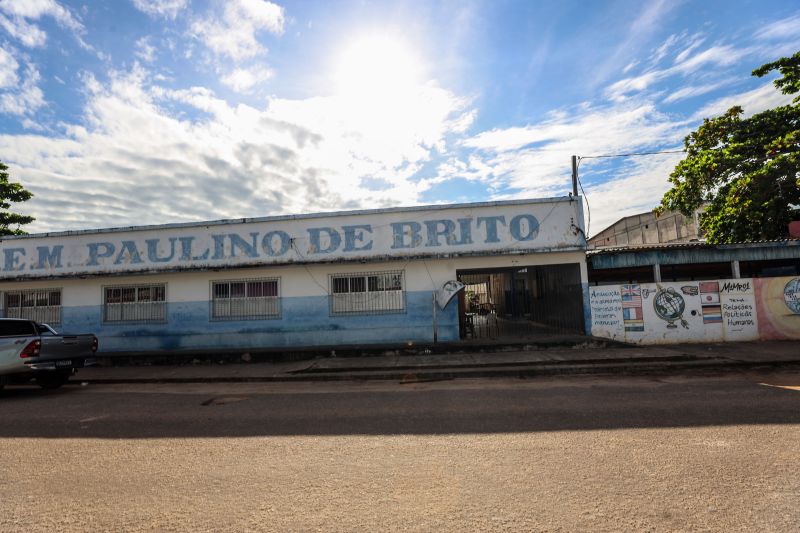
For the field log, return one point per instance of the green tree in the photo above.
(746, 170)
(12, 192)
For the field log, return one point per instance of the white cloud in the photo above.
(755, 101)
(145, 50)
(598, 129)
(36, 9)
(28, 34)
(25, 99)
(781, 29)
(8, 69)
(244, 79)
(132, 161)
(665, 47)
(691, 91)
(161, 8)
(20, 94)
(696, 41)
(630, 66)
(234, 33)
(719, 56)
(715, 55)
(534, 160)
(641, 28)
(619, 90)
(17, 25)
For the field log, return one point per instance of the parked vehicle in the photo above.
(32, 351)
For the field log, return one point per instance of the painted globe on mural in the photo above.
(668, 304)
(791, 294)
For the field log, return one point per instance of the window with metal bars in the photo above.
(367, 293)
(245, 299)
(41, 305)
(135, 303)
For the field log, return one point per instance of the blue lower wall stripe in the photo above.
(304, 321)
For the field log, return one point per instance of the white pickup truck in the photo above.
(32, 351)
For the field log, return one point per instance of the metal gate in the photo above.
(521, 302)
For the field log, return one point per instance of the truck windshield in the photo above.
(44, 330)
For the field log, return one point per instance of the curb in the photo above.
(521, 372)
(492, 365)
(309, 352)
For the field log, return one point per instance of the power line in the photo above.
(576, 162)
(634, 154)
(586, 199)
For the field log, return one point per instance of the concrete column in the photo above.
(657, 273)
(735, 272)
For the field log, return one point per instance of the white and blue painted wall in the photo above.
(304, 321)
(429, 243)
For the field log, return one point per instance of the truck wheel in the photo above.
(52, 380)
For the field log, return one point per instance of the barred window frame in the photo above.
(254, 298)
(48, 300)
(136, 303)
(379, 292)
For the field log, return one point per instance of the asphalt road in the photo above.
(566, 454)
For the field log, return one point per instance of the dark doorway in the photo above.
(521, 302)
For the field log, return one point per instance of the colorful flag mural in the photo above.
(632, 315)
(710, 302)
(743, 309)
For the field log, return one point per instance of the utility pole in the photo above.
(574, 175)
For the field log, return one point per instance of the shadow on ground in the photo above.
(498, 407)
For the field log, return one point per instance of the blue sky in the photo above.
(131, 112)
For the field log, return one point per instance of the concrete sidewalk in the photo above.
(580, 359)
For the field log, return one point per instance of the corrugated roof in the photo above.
(693, 244)
(303, 216)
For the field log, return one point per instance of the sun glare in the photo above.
(376, 65)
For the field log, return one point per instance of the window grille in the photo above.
(135, 303)
(41, 305)
(245, 299)
(367, 293)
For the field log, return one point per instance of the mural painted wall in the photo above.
(699, 311)
(778, 306)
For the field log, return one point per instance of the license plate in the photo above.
(65, 362)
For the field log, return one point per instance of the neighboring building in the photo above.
(693, 261)
(647, 228)
(331, 279)
(654, 280)
(696, 292)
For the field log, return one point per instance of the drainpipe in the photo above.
(657, 273)
(735, 271)
(435, 320)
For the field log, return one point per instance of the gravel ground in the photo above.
(714, 454)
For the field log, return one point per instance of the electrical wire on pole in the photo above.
(576, 180)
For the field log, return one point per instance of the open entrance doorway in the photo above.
(520, 302)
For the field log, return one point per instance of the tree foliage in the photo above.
(745, 170)
(11, 192)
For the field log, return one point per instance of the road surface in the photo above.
(560, 454)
